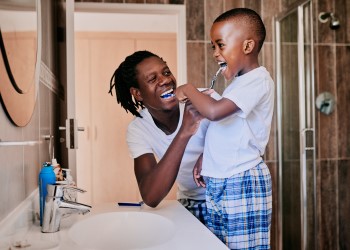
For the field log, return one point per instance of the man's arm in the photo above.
(156, 179)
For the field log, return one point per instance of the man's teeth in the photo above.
(167, 94)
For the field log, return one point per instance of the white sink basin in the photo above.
(122, 230)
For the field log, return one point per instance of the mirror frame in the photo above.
(19, 105)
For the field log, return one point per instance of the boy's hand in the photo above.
(198, 179)
(179, 93)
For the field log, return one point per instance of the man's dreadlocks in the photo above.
(124, 78)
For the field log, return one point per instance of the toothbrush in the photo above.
(130, 204)
(222, 66)
(167, 96)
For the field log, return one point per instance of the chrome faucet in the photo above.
(56, 206)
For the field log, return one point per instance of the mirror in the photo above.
(20, 40)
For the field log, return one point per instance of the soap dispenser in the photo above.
(46, 176)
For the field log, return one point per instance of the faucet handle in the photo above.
(57, 189)
(74, 188)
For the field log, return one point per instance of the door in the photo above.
(104, 166)
(296, 137)
(69, 157)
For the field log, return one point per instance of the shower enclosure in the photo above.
(296, 134)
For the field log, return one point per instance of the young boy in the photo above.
(238, 184)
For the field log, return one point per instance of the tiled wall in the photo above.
(332, 63)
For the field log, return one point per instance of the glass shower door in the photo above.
(296, 139)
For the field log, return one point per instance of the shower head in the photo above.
(334, 21)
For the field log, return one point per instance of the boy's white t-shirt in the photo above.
(237, 142)
(143, 137)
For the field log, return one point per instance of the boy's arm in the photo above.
(208, 107)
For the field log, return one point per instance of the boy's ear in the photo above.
(136, 93)
(248, 46)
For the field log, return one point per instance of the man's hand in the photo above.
(191, 119)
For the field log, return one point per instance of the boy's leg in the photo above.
(249, 216)
(239, 208)
(214, 198)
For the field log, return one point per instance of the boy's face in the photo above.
(227, 38)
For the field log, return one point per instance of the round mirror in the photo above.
(20, 38)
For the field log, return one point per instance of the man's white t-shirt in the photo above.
(143, 137)
(237, 142)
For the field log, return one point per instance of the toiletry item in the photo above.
(57, 169)
(69, 194)
(130, 204)
(46, 176)
(168, 94)
(222, 66)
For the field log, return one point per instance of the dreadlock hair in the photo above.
(124, 77)
(249, 17)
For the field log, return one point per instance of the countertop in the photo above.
(187, 232)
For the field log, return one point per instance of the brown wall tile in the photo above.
(111, 1)
(271, 147)
(155, 1)
(342, 11)
(254, 5)
(212, 10)
(230, 4)
(326, 124)
(327, 204)
(343, 100)
(196, 63)
(176, 1)
(273, 167)
(268, 62)
(344, 205)
(134, 1)
(195, 19)
(324, 33)
(269, 9)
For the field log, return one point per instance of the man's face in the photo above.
(156, 85)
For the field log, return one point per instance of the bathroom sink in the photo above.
(122, 230)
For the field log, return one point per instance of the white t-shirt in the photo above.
(237, 142)
(143, 137)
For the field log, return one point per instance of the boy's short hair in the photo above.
(248, 16)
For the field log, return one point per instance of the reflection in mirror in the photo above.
(19, 66)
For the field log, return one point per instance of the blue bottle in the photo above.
(46, 176)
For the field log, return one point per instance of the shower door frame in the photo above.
(306, 130)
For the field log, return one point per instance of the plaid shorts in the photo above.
(239, 208)
(196, 207)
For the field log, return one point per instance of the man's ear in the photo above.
(248, 46)
(136, 93)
